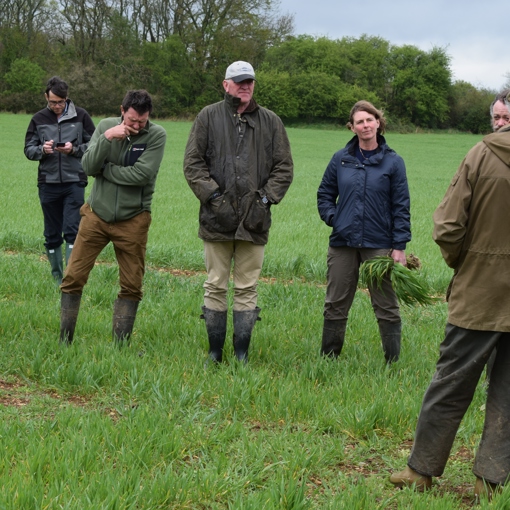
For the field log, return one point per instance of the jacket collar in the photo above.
(353, 144)
(233, 104)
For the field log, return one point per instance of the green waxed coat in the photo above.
(472, 228)
(243, 165)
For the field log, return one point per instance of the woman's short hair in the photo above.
(366, 106)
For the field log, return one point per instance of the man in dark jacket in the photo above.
(124, 157)
(238, 163)
(57, 137)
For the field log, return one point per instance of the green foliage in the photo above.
(168, 76)
(420, 86)
(24, 76)
(275, 90)
(179, 52)
(409, 288)
(469, 110)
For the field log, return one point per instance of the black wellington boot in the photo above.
(124, 315)
(216, 326)
(244, 321)
(391, 333)
(69, 308)
(333, 335)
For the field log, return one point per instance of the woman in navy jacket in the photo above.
(364, 197)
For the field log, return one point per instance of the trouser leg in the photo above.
(463, 355)
(342, 280)
(51, 199)
(72, 201)
(492, 461)
(130, 243)
(248, 259)
(218, 261)
(383, 298)
(91, 239)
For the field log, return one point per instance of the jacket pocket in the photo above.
(218, 215)
(258, 218)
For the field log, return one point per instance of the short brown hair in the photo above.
(366, 106)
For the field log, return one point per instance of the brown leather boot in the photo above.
(485, 489)
(410, 478)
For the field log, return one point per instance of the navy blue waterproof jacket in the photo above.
(367, 204)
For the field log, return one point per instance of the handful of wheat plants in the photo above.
(408, 286)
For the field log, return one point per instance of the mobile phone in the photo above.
(60, 144)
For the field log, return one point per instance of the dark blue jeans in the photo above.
(61, 210)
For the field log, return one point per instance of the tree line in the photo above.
(179, 49)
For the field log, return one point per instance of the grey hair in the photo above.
(504, 97)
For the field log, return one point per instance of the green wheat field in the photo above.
(150, 427)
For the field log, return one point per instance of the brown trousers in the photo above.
(129, 240)
(342, 282)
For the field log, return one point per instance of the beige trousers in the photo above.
(247, 259)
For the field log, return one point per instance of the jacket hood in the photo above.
(499, 144)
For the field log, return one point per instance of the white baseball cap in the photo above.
(240, 71)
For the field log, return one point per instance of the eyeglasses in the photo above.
(57, 103)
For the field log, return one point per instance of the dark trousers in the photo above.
(342, 282)
(129, 240)
(60, 205)
(463, 356)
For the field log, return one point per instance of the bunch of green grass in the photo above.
(408, 287)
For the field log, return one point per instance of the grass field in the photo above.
(148, 427)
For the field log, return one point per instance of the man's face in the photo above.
(55, 103)
(243, 90)
(133, 119)
(500, 116)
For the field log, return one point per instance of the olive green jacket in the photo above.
(125, 171)
(472, 228)
(241, 159)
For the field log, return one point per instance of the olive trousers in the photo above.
(463, 356)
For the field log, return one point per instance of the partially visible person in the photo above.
(500, 114)
(238, 163)
(124, 156)
(364, 198)
(472, 231)
(500, 117)
(57, 137)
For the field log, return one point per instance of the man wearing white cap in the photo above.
(238, 163)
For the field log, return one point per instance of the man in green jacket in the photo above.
(238, 164)
(472, 230)
(124, 156)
